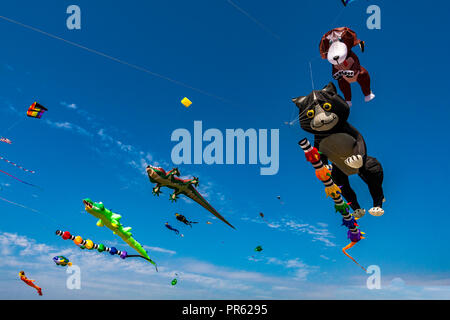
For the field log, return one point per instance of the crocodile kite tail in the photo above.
(148, 259)
(332, 190)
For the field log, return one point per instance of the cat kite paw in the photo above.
(354, 162)
(376, 211)
(359, 213)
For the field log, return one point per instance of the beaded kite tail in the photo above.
(90, 245)
(332, 190)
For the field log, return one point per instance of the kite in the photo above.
(90, 245)
(184, 220)
(346, 2)
(186, 102)
(336, 46)
(24, 182)
(30, 282)
(279, 198)
(16, 165)
(62, 261)
(208, 222)
(5, 140)
(186, 187)
(36, 110)
(168, 226)
(324, 113)
(262, 216)
(112, 221)
(331, 189)
(258, 249)
(175, 279)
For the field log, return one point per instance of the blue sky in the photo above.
(106, 121)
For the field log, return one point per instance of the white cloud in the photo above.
(72, 106)
(196, 279)
(68, 126)
(158, 249)
(319, 232)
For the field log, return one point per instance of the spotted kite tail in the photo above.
(90, 245)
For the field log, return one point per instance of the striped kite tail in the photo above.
(332, 190)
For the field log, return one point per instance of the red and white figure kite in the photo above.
(5, 140)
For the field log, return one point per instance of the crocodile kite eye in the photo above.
(327, 106)
(310, 114)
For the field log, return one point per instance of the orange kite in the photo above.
(29, 282)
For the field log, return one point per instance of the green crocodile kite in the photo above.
(112, 221)
(179, 186)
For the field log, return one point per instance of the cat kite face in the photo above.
(322, 111)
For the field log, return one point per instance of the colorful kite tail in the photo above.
(344, 250)
(17, 165)
(90, 245)
(332, 190)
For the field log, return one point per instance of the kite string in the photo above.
(293, 121)
(311, 74)
(31, 209)
(296, 119)
(19, 205)
(262, 26)
(136, 67)
(337, 17)
(15, 124)
(12, 126)
(19, 179)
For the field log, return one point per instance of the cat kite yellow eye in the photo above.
(310, 114)
(327, 107)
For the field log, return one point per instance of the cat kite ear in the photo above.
(298, 101)
(330, 88)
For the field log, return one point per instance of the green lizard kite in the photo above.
(112, 221)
